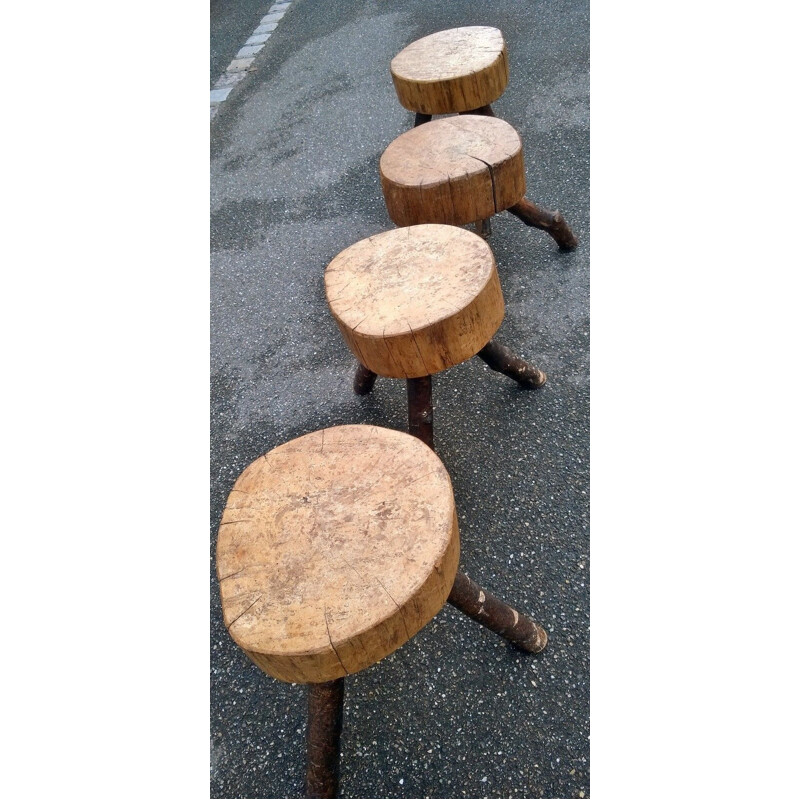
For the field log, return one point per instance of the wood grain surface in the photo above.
(455, 170)
(334, 549)
(453, 70)
(414, 301)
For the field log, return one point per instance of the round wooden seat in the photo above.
(455, 170)
(334, 549)
(460, 69)
(414, 301)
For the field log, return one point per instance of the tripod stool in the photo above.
(414, 301)
(460, 70)
(334, 550)
(460, 170)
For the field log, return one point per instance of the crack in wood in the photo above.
(230, 624)
(330, 639)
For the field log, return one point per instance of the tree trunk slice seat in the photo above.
(452, 71)
(454, 171)
(414, 301)
(332, 552)
(462, 170)
(336, 548)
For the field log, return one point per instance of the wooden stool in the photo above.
(460, 170)
(334, 549)
(461, 70)
(414, 301)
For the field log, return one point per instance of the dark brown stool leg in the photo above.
(484, 111)
(501, 359)
(325, 702)
(492, 612)
(550, 221)
(483, 227)
(364, 380)
(420, 408)
(419, 119)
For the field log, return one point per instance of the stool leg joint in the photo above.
(496, 615)
(551, 221)
(501, 359)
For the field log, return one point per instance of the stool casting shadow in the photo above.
(334, 550)
(414, 301)
(461, 170)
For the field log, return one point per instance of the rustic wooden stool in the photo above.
(414, 301)
(460, 170)
(335, 549)
(461, 70)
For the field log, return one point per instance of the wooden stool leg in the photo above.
(419, 119)
(484, 111)
(493, 613)
(325, 701)
(364, 380)
(420, 408)
(483, 227)
(550, 221)
(501, 359)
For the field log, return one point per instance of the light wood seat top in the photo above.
(334, 549)
(460, 69)
(454, 170)
(414, 301)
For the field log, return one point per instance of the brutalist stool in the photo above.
(461, 170)
(414, 301)
(334, 550)
(461, 70)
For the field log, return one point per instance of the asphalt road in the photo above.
(294, 180)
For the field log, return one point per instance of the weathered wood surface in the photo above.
(459, 69)
(325, 707)
(414, 301)
(334, 549)
(454, 170)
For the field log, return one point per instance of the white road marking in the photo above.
(242, 62)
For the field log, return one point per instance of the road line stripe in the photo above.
(238, 68)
